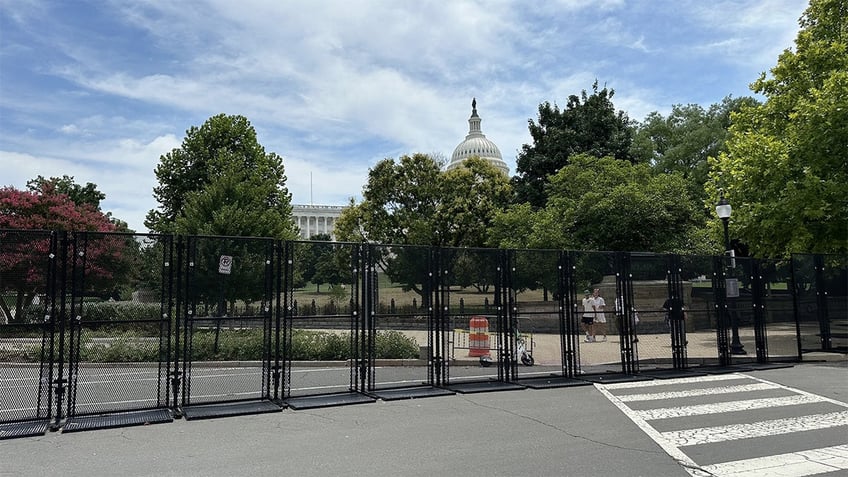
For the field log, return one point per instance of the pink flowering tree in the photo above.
(24, 256)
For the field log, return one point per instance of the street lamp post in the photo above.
(723, 210)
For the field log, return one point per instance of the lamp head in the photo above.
(723, 209)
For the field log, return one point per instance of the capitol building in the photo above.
(477, 144)
(316, 219)
(321, 219)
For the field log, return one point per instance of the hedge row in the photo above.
(224, 345)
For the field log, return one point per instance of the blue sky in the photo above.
(100, 90)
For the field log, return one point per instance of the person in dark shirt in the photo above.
(675, 310)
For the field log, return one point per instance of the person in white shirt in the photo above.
(588, 319)
(600, 323)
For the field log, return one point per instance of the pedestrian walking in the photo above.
(589, 316)
(675, 311)
(600, 316)
(619, 313)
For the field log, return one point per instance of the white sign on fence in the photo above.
(225, 264)
(732, 287)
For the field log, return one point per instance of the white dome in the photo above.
(476, 144)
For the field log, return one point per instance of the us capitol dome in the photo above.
(476, 144)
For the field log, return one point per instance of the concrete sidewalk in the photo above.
(701, 347)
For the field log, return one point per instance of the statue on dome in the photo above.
(473, 103)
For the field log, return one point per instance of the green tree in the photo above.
(785, 171)
(608, 204)
(684, 140)
(412, 202)
(588, 124)
(221, 181)
(400, 200)
(470, 197)
(80, 195)
(320, 262)
(515, 227)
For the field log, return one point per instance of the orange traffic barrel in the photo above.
(478, 336)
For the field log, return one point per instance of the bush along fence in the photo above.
(109, 329)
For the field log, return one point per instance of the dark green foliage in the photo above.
(120, 311)
(588, 124)
(80, 195)
(684, 140)
(222, 182)
(784, 168)
(232, 345)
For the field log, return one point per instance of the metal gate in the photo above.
(473, 290)
(544, 345)
(226, 314)
(119, 346)
(820, 292)
(29, 313)
(326, 343)
(410, 340)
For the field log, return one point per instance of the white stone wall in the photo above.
(316, 219)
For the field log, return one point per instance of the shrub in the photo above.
(116, 345)
(233, 345)
(120, 311)
(320, 345)
(123, 349)
(393, 344)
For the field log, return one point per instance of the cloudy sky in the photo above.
(99, 90)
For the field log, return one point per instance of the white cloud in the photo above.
(122, 169)
(744, 33)
(72, 129)
(335, 86)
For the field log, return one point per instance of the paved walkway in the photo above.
(651, 347)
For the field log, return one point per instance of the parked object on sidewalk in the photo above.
(522, 352)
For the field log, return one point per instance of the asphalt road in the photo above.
(582, 431)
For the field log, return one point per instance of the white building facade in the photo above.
(316, 219)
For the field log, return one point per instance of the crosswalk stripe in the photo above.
(810, 462)
(800, 391)
(795, 464)
(719, 408)
(663, 382)
(708, 435)
(697, 392)
(670, 449)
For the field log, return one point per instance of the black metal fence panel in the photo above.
(28, 317)
(119, 325)
(834, 292)
(701, 317)
(227, 305)
(410, 348)
(813, 336)
(657, 289)
(820, 290)
(538, 313)
(100, 323)
(472, 297)
(774, 302)
(740, 308)
(325, 347)
(601, 346)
